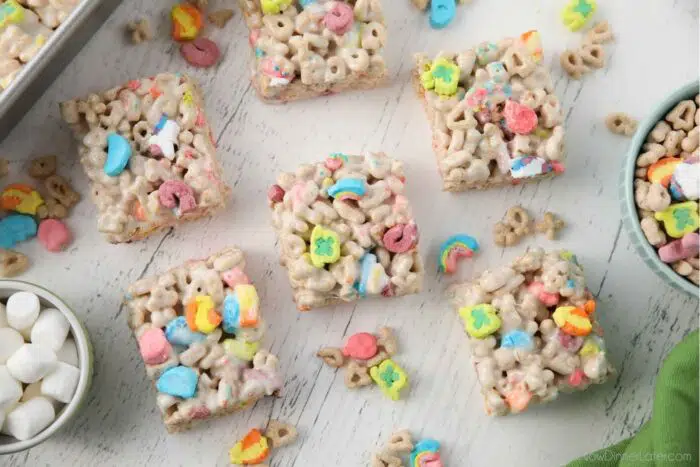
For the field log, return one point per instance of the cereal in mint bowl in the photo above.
(660, 188)
(45, 365)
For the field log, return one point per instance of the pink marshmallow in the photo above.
(234, 277)
(547, 298)
(680, 249)
(154, 347)
(54, 235)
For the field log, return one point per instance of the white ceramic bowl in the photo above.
(9, 444)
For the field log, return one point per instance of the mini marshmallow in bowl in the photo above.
(45, 365)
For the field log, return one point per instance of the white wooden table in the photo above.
(655, 52)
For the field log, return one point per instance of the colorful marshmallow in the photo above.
(16, 228)
(20, 198)
(442, 75)
(164, 140)
(241, 309)
(252, 449)
(456, 247)
(573, 320)
(481, 320)
(662, 170)
(362, 345)
(373, 278)
(178, 332)
(426, 453)
(154, 347)
(179, 381)
(680, 249)
(118, 154)
(390, 378)
(348, 189)
(680, 218)
(201, 315)
(324, 246)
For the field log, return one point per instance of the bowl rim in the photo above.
(640, 243)
(83, 345)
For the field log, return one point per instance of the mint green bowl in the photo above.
(627, 204)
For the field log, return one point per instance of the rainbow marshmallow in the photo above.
(455, 247)
(348, 188)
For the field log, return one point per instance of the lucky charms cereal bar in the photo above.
(148, 151)
(532, 331)
(25, 26)
(308, 48)
(198, 328)
(494, 117)
(346, 230)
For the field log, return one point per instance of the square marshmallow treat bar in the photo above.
(305, 48)
(148, 151)
(532, 331)
(494, 117)
(199, 330)
(346, 230)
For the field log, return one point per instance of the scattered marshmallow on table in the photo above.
(29, 418)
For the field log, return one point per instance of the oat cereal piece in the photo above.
(621, 124)
(593, 55)
(551, 224)
(346, 230)
(420, 4)
(199, 331)
(601, 33)
(201, 4)
(515, 226)
(316, 49)
(219, 18)
(42, 167)
(156, 138)
(139, 31)
(400, 442)
(386, 459)
(4, 169)
(532, 330)
(387, 341)
(12, 263)
(493, 114)
(280, 434)
(51, 209)
(572, 63)
(357, 376)
(332, 356)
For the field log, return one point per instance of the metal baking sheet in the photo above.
(59, 50)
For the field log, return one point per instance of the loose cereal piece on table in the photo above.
(532, 330)
(43, 167)
(550, 225)
(200, 369)
(139, 31)
(346, 230)
(306, 49)
(219, 18)
(621, 124)
(455, 247)
(12, 263)
(280, 434)
(148, 151)
(517, 224)
(494, 117)
(3, 167)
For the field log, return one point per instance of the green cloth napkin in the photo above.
(671, 437)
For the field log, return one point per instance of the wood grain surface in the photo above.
(656, 51)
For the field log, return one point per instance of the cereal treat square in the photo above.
(199, 330)
(148, 151)
(494, 116)
(346, 230)
(312, 48)
(532, 331)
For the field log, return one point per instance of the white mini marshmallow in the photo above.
(68, 353)
(22, 310)
(34, 390)
(10, 342)
(61, 383)
(3, 316)
(29, 418)
(31, 362)
(50, 329)
(10, 390)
